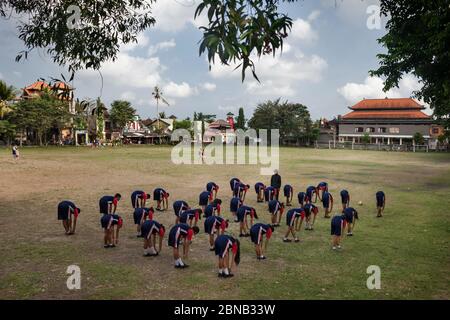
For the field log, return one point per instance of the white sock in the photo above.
(220, 270)
(226, 271)
(145, 251)
(180, 262)
(151, 251)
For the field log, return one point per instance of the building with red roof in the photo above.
(386, 121)
(60, 90)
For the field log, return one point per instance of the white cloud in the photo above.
(129, 71)
(372, 88)
(173, 15)
(270, 88)
(350, 11)
(302, 30)
(208, 86)
(313, 15)
(128, 95)
(142, 42)
(182, 90)
(279, 75)
(161, 46)
(227, 108)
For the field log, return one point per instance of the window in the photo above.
(382, 130)
(394, 130)
(435, 130)
(359, 129)
(370, 129)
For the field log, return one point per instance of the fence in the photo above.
(372, 146)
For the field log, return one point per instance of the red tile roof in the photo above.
(387, 104)
(62, 86)
(38, 85)
(219, 123)
(386, 114)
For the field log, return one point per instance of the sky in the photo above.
(324, 64)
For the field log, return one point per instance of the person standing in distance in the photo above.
(275, 181)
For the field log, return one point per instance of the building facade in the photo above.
(385, 121)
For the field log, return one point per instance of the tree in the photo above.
(314, 134)
(162, 115)
(418, 138)
(205, 117)
(6, 93)
(365, 138)
(92, 112)
(80, 34)
(84, 34)
(40, 114)
(240, 119)
(237, 28)
(182, 124)
(291, 119)
(158, 95)
(7, 131)
(418, 42)
(121, 113)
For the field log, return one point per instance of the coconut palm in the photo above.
(158, 95)
(6, 93)
(92, 112)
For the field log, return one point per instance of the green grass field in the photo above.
(410, 244)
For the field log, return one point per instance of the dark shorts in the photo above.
(220, 247)
(336, 228)
(344, 199)
(63, 214)
(240, 215)
(348, 217)
(234, 206)
(137, 216)
(287, 192)
(172, 241)
(209, 226)
(209, 211)
(326, 203)
(104, 207)
(269, 195)
(258, 188)
(136, 197)
(203, 200)
(289, 221)
(254, 236)
(380, 202)
(104, 221)
(63, 210)
(157, 195)
(145, 230)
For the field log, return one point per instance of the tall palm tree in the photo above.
(158, 95)
(98, 111)
(92, 112)
(6, 93)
